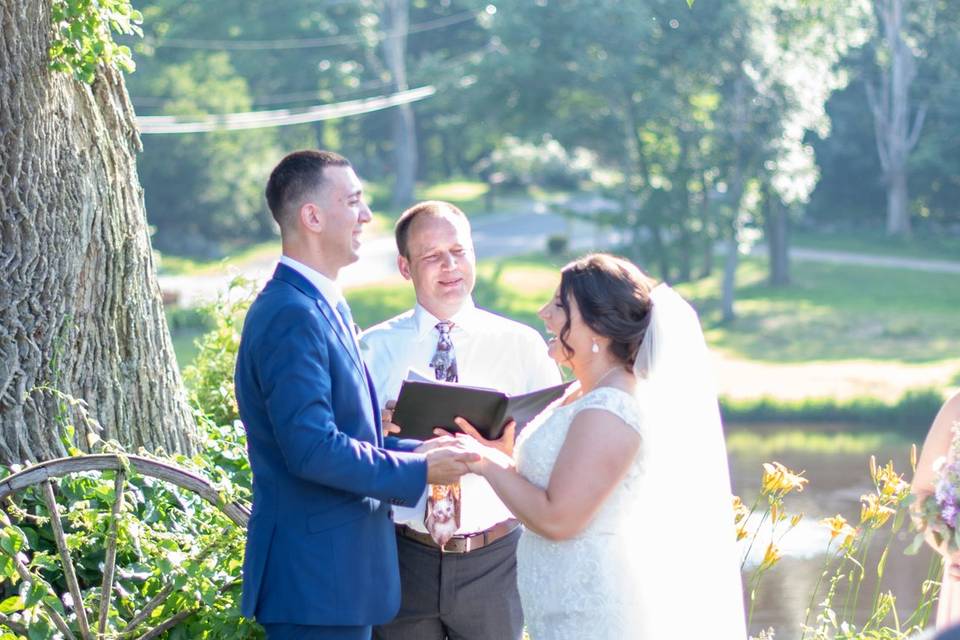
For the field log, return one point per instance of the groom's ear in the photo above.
(311, 217)
(404, 266)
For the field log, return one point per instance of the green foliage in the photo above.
(167, 538)
(204, 191)
(209, 378)
(83, 36)
(910, 413)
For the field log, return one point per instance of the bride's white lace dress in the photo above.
(588, 587)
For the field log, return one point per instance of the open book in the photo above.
(425, 404)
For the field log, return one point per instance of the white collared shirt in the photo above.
(329, 289)
(491, 351)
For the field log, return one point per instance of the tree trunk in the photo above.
(777, 228)
(730, 261)
(898, 205)
(890, 107)
(80, 309)
(404, 129)
(707, 222)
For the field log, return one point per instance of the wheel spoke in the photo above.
(28, 577)
(110, 562)
(68, 571)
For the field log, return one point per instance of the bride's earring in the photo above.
(595, 348)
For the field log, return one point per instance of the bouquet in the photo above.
(937, 514)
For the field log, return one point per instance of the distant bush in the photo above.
(911, 414)
(545, 163)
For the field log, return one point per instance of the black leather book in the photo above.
(425, 405)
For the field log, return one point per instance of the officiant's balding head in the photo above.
(436, 254)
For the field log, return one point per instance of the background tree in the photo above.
(897, 126)
(80, 310)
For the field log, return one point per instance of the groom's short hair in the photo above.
(401, 230)
(295, 176)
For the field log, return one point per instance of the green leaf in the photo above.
(914, 547)
(690, 3)
(11, 604)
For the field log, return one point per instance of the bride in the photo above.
(623, 483)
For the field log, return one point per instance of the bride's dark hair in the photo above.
(613, 297)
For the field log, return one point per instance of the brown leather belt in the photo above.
(462, 544)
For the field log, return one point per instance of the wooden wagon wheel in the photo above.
(44, 476)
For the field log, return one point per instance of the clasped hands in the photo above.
(450, 456)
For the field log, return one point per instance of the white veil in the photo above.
(690, 580)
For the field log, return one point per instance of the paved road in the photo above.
(502, 235)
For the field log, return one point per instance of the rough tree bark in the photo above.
(80, 309)
(895, 135)
(404, 126)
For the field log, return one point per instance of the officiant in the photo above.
(467, 589)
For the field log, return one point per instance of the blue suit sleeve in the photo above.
(401, 444)
(295, 379)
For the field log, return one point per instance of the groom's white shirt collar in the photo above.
(329, 289)
(425, 321)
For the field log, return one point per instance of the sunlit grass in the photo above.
(180, 265)
(923, 245)
(753, 443)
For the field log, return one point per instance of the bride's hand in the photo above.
(504, 443)
(488, 456)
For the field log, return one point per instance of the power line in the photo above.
(307, 43)
(279, 117)
(280, 98)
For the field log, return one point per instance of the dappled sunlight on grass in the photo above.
(455, 191)
(834, 312)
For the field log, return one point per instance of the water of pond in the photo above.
(838, 471)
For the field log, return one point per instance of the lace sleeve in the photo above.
(617, 402)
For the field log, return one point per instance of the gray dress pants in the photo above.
(457, 596)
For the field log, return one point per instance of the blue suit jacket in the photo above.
(320, 543)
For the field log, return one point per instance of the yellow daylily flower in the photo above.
(874, 511)
(838, 527)
(779, 479)
(770, 557)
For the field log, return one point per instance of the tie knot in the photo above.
(444, 327)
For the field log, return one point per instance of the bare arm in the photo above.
(596, 455)
(936, 445)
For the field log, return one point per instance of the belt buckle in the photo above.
(463, 542)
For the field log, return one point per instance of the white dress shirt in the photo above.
(329, 289)
(491, 351)
(333, 294)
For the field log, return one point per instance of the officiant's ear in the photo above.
(404, 266)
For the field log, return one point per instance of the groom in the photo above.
(320, 558)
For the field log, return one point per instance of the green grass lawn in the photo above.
(921, 245)
(830, 312)
(835, 312)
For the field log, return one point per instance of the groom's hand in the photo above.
(445, 465)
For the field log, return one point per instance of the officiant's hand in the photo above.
(503, 444)
(386, 419)
(445, 465)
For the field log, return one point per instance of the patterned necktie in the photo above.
(442, 516)
(444, 361)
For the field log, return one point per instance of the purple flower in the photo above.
(945, 492)
(949, 514)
